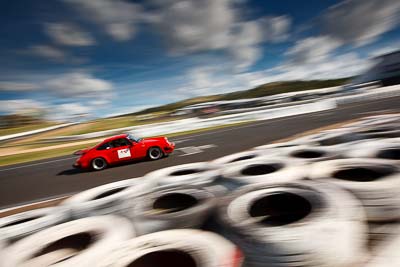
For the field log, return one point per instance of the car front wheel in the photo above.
(99, 164)
(155, 153)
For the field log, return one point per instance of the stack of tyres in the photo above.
(296, 224)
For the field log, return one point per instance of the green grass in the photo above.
(25, 128)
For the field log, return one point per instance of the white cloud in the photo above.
(73, 109)
(198, 26)
(68, 34)
(117, 17)
(17, 86)
(360, 22)
(127, 110)
(312, 49)
(21, 106)
(210, 80)
(79, 85)
(332, 67)
(386, 49)
(48, 52)
(276, 29)
(68, 111)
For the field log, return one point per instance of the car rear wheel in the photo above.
(155, 153)
(99, 164)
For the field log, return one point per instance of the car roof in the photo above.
(115, 137)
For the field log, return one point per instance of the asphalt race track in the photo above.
(34, 181)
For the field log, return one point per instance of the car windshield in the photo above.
(133, 138)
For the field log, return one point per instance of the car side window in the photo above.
(120, 142)
(104, 146)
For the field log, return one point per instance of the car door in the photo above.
(121, 150)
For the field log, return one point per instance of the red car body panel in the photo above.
(132, 150)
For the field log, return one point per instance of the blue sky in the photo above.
(106, 57)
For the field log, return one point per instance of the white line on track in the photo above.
(35, 164)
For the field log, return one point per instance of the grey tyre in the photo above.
(21, 225)
(99, 164)
(106, 199)
(184, 247)
(74, 243)
(273, 225)
(155, 153)
(172, 208)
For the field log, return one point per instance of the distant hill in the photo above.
(267, 89)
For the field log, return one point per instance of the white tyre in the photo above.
(277, 146)
(75, 243)
(17, 226)
(199, 173)
(264, 170)
(172, 208)
(330, 138)
(376, 120)
(239, 157)
(375, 182)
(379, 149)
(296, 224)
(107, 199)
(180, 248)
(309, 154)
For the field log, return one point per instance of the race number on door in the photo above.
(124, 153)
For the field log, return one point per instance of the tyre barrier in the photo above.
(375, 182)
(198, 173)
(106, 199)
(75, 243)
(296, 224)
(262, 170)
(179, 248)
(18, 226)
(172, 208)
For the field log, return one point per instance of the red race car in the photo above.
(123, 148)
